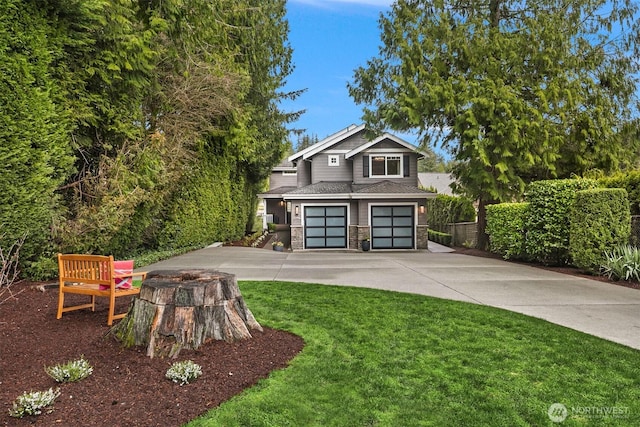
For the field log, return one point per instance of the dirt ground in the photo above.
(126, 388)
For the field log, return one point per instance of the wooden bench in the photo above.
(86, 275)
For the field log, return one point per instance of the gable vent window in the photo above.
(334, 160)
(387, 166)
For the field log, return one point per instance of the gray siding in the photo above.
(321, 171)
(277, 179)
(350, 143)
(412, 179)
(304, 173)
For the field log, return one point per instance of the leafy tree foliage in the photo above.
(306, 141)
(515, 90)
(33, 129)
(168, 109)
(432, 162)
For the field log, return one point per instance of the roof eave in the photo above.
(393, 195)
(341, 196)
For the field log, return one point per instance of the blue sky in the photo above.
(330, 39)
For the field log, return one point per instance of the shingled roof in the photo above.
(348, 190)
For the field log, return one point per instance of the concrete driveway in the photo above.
(604, 310)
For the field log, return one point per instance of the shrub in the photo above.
(505, 227)
(444, 209)
(70, 371)
(32, 403)
(202, 213)
(599, 221)
(184, 372)
(547, 223)
(438, 237)
(630, 181)
(622, 263)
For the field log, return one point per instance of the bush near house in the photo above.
(444, 209)
(439, 237)
(505, 226)
(600, 220)
(547, 224)
(630, 181)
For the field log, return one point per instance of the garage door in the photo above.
(325, 227)
(392, 227)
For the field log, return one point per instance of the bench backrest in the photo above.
(89, 269)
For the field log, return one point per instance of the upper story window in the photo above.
(386, 165)
(334, 160)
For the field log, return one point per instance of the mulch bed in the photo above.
(126, 388)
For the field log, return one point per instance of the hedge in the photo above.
(547, 224)
(505, 227)
(630, 181)
(600, 221)
(438, 237)
(444, 209)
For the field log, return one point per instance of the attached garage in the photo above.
(325, 227)
(392, 227)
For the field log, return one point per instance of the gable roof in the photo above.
(385, 136)
(327, 142)
(345, 133)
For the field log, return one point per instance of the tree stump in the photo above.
(185, 309)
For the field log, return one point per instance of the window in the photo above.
(389, 166)
(334, 160)
(289, 173)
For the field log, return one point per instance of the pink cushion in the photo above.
(122, 267)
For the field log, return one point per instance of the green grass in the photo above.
(376, 358)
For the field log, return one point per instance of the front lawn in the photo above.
(378, 358)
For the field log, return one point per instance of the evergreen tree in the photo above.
(34, 153)
(517, 90)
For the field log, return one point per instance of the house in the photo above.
(345, 189)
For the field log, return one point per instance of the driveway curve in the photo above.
(601, 309)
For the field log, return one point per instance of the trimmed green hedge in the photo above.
(214, 206)
(547, 224)
(505, 227)
(630, 181)
(444, 209)
(600, 220)
(441, 238)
